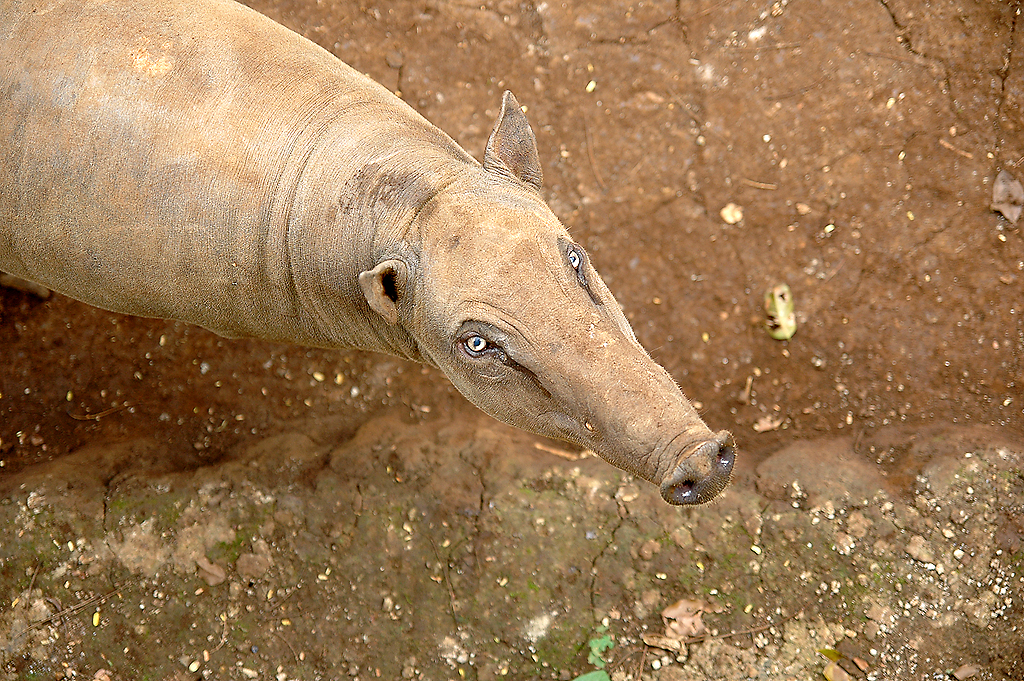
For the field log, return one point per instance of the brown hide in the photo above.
(193, 160)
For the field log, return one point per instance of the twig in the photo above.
(915, 62)
(98, 416)
(759, 185)
(965, 154)
(560, 452)
(31, 583)
(697, 121)
(742, 632)
(294, 654)
(447, 579)
(590, 154)
(276, 604)
(58, 606)
(761, 48)
(77, 607)
(701, 13)
(223, 636)
(638, 674)
(834, 271)
(806, 88)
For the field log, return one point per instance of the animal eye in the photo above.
(476, 344)
(574, 259)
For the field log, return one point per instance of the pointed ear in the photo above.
(512, 148)
(383, 286)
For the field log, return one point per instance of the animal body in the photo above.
(194, 160)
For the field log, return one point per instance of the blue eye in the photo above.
(475, 344)
(574, 259)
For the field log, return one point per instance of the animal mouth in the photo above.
(702, 472)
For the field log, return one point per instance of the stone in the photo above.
(251, 566)
(920, 550)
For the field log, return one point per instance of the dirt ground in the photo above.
(181, 506)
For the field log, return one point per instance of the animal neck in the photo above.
(347, 218)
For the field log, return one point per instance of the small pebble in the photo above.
(731, 213)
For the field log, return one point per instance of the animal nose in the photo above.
(701, 475)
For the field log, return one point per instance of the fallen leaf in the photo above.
(599, 675)
(833, 672)
(683, 619)
(966, 671)
(663, 642)
(1007, 196)
(780, 316)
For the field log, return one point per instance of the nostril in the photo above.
(725, 459)
(681, 492)
(701, 475)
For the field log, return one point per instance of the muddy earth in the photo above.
(181, 506)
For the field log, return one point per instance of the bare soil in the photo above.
(236, 509)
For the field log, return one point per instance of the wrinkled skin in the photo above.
(498, 296)
(195, 161)
(580, 375)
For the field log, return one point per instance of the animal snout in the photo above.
(701, 474)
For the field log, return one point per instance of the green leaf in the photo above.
(833, 655)
(598, 646)
(601, 644)
(599, 675)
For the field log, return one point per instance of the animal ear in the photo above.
(512, 148)
(383, 286)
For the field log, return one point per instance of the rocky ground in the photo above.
(180, 506)
(469, 550)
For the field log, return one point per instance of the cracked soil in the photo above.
(181, 506)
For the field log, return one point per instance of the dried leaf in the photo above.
(1007, 196)
(663, 642)
(682, 608)
(966, 671)
(683, 619)
(780, 315)
(833, 672)
(833, 655)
